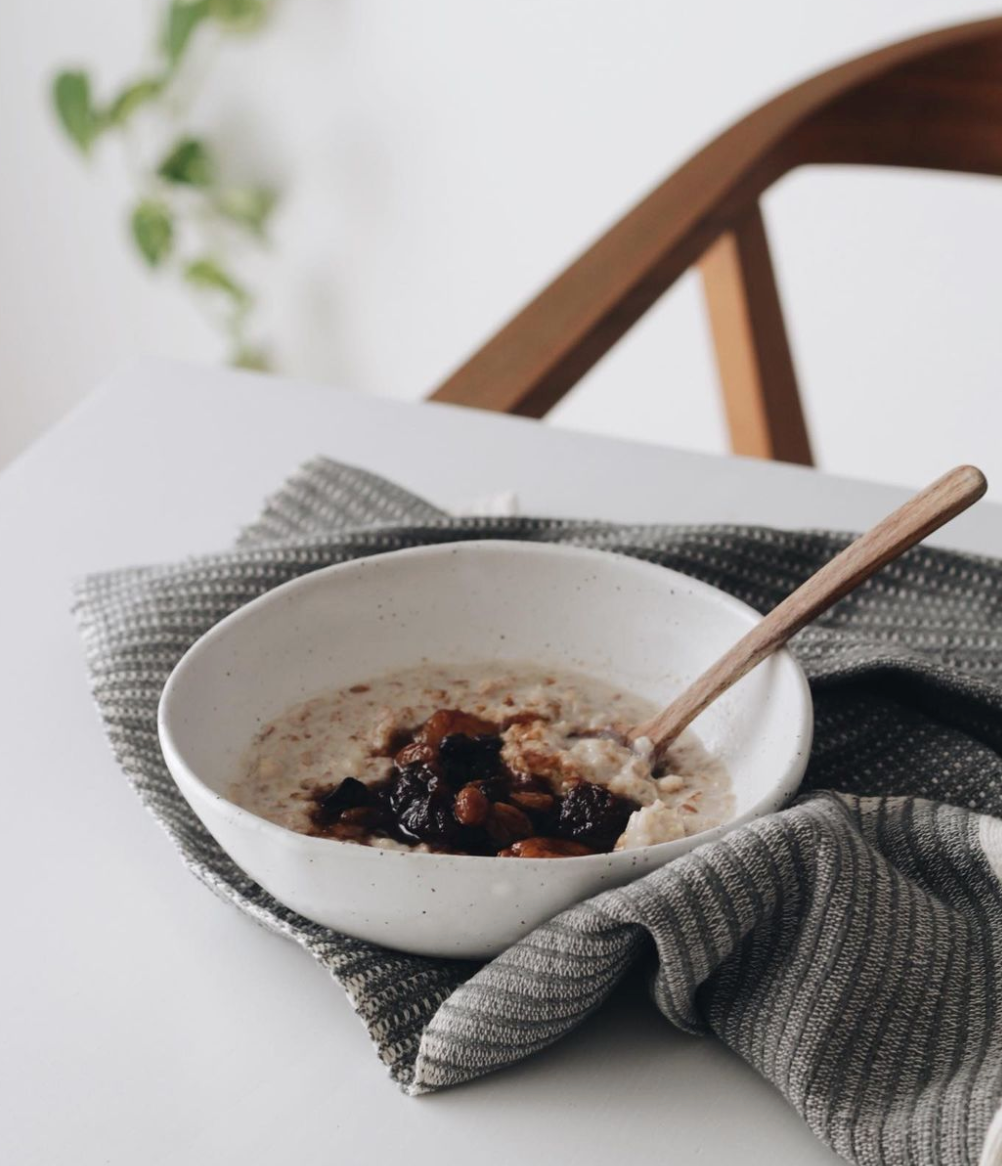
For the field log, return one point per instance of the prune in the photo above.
(410, 782)
(464, 758)
(592, 815)
(349, 794)
(422, 806)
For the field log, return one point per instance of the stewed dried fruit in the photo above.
(331, 803)
(451, 790)
(472, 806)
(592, 815)
(448, 722)
(464, 758)
(546, 848)
(506, 824)
(422, 804)
(528, 799)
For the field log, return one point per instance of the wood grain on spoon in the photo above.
(908, 525)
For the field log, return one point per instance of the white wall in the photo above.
(444, 159)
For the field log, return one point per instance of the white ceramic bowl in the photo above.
(640, 626)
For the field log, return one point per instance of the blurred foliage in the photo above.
(183, 220)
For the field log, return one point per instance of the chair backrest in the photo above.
(934, 101)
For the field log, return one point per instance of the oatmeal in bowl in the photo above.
(507, 760)
(424, 749)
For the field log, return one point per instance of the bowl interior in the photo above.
(637, 625)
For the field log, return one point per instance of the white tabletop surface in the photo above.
(147, 1022)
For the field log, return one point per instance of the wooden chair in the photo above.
(934, 101)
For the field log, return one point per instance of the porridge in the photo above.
(492, 759)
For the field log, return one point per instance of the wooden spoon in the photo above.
(926, 512)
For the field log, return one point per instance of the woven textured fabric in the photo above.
(849, 947)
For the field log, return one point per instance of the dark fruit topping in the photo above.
(546, 848)
(472, 806)
(447, 722)
(422, 805)
(450, 789)
(592, 815)
(463, 758)
(506, 824)
(537, 803)
(330, 804)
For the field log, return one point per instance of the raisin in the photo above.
(422, 806)
(506, 824)
(542, 809)
(539, 803)
(464, 758)
(448, 722)
(330, 804)
(545, 848)
(472, 806)
(592, 815)
(413, 754)
(495, 789)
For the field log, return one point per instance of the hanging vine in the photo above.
(184, 220)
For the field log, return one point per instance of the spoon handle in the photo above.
(920, 516)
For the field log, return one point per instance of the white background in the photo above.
(442, 160)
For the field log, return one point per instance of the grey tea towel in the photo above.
(848, 947)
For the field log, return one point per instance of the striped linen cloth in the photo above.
(849, 947)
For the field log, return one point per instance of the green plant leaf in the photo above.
(239, 15)
(206, 274)
(153, 231)
(189, 163)
(131, 98)
(247, 356)
(72, 99)
(250, 206)
(183, 17)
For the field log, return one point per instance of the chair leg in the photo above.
(764, 412)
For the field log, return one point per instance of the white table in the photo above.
(147, 1022)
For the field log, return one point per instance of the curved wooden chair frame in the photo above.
(934, 102)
